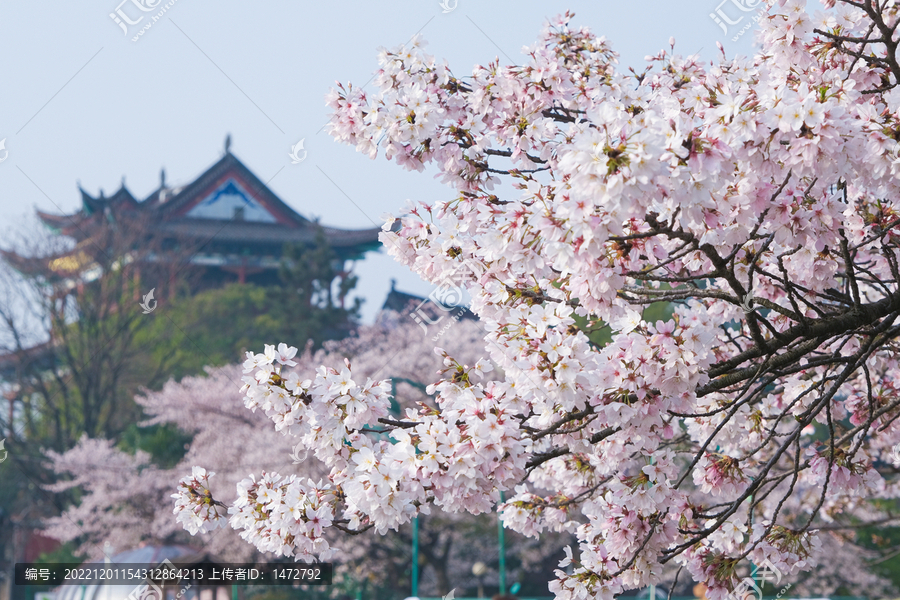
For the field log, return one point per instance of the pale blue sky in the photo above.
(81, 102)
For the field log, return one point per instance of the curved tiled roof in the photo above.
(165, 211)
(270, 233)
(167, 206)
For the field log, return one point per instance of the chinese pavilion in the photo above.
(226, 224)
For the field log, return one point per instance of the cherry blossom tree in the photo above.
(124, 498)
(755, 194)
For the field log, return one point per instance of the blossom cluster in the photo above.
(126, 497)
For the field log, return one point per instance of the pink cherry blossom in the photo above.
(755, 196)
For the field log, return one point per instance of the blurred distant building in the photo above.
(445, 303)
(225, 226)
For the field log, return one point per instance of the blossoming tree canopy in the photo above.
(757, 195)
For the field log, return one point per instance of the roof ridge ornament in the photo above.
(228, 143)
